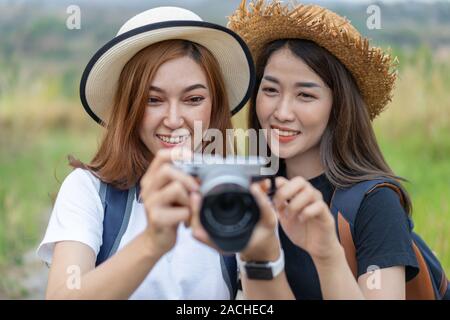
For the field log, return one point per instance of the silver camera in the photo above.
(228, 212)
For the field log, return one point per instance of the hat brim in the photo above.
(100, 77)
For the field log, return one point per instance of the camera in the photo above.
(228, 211)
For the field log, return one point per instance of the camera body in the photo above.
(228, 212)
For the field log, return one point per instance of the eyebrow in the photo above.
(190, 88)
(297, 84)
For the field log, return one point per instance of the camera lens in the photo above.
(229, 214)
(228, 208)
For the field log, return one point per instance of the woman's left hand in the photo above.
(306, 218)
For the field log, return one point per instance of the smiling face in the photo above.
(179, 96)
(293, 104)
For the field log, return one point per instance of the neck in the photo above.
(307, 165)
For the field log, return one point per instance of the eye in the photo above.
(306, 96)
(153, 101)
(195, 100)
(270, 91)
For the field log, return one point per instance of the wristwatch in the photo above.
(262, 270)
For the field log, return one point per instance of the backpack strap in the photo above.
(229, 267)
(345, 205)
(117, 206)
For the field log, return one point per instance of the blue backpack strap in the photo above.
(117, 206)
(348, 200)
(344, 206)
(229, 267)
(430, 283)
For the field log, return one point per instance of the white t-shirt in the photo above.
(190, 270)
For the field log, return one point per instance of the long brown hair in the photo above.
(122, 158)
(349, 150)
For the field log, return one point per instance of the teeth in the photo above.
(285, 133)
(173, 140)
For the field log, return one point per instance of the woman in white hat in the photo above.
(165, 70)
(319, 85)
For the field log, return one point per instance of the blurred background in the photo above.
(42, 120)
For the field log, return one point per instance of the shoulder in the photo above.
(77, 214)
(80, 178)
(382, 233)
(79, 184)
(381, 209)
(382, 200)
(357, 201)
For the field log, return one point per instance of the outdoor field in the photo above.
(42, 120)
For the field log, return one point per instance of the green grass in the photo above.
(33, 174)
(414, 135)
(39, 130)
(428, 185)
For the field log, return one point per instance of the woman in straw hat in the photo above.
(319, 85)
(165, 70)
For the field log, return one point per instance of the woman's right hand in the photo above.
(165, 195)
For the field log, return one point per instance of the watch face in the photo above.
(257, 272)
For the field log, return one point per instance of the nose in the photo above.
(283, 112)
(173, 118)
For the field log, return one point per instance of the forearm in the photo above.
(276, 289)
(116, 278)
(336, 279)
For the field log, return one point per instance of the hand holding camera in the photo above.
(306, 218)
(263, 244)
(228, 211)
(232, 211)
(165, 195)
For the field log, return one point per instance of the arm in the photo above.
(117, 278)
(308, 222)
(337, 281)
(165, 195)
(264, 245)
(277, 288)
(267, 250)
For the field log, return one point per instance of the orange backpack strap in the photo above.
(346, 239)
(421, 287)
(345, 204)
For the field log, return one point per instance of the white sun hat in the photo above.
(100, 78)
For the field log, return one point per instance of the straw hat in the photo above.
(100, 78)
(374, 70)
